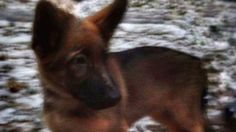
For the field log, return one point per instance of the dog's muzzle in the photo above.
(97, 94)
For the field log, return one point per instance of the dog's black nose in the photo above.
(98, 95)
(114, 94)
(110, 98)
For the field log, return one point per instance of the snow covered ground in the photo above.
(203, 28)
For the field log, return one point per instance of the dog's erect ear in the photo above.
(108, 18)
(50, 24)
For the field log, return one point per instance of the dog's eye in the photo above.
(78, 65)
(80, 59)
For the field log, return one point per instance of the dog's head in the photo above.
(72, 53)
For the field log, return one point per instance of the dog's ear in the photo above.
(108, 18)
(50, 24)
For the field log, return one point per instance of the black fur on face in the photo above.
(95, 92)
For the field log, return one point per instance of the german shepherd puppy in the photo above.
(88, 89)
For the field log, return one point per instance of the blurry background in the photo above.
(203, 28)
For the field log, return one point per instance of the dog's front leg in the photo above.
(57, 123)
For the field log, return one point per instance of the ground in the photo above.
(203, 28)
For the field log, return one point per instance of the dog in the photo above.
(89, 89)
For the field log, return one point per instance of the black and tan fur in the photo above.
(88, 89)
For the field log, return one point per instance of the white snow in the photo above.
(20, 38)
(33, 101)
